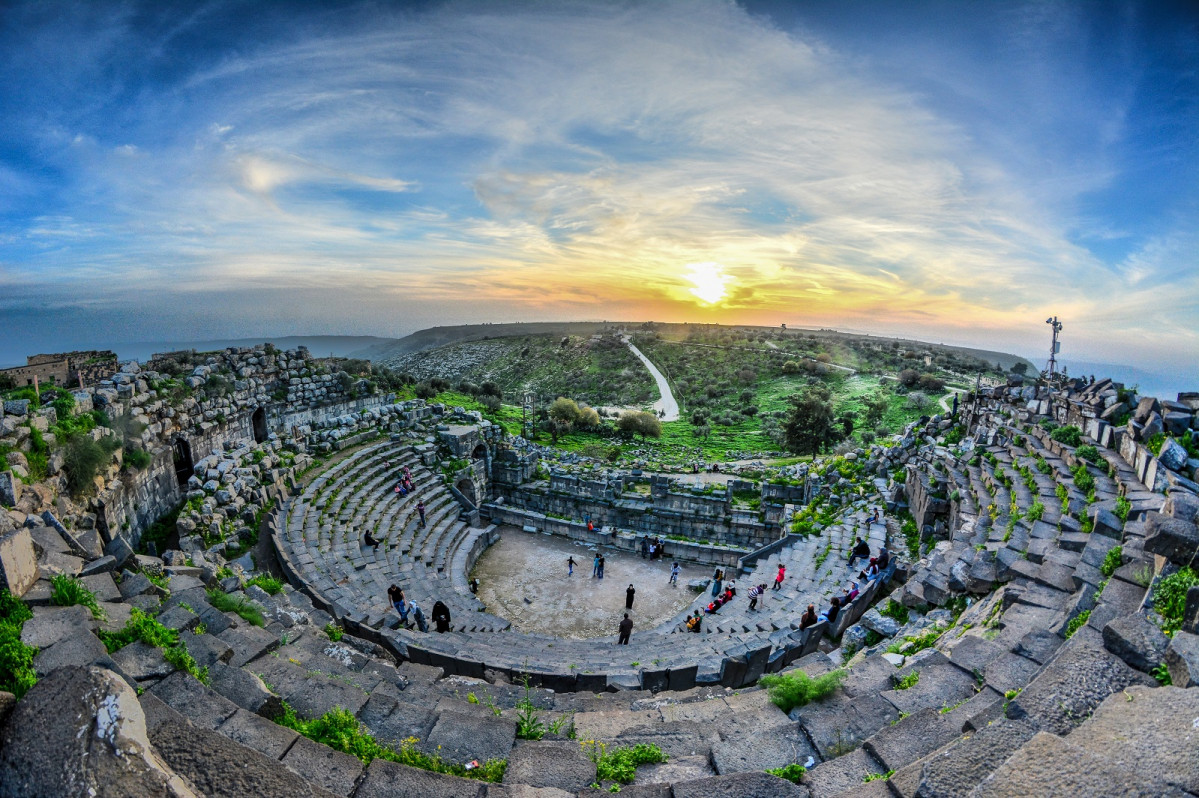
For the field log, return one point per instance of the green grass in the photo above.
(908, 681)
(270, 584)
(150, 631)
(895, 611)
(341, 731)
(16, 659)
(67, 591)
(925, 639)
(1113, 560)
(1170, 597)
(1077, 622)
(225, 602)
(796, 689)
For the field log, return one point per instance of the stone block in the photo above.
(77, 650)
(462, 737)
(253, 731)
(81, 731)
(564, 766)
(245, 689)
(1182, 659)
(1049, 765)
(324, 767)
(199, 704)
(385, 779)
(8, 489)
(1190, 617)
(18, 562)
(956, 769)
(1105, 522)
(739, 785)
(912, 738)
(49, 625)
(1135, 640)
(1172, 538)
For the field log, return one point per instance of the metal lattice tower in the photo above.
(1055, 347)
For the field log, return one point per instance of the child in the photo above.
(778, 580)
(674, 574)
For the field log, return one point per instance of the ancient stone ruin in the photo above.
(1032, 634)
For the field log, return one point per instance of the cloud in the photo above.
(547, 159)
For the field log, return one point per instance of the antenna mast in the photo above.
(1055, 347)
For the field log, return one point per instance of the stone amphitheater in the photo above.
(1011, 647)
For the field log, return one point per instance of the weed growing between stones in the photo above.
(1170, 597)
(270, 584)
(791, 773)
(1123, 508)
(333, 631)
(1077, 622)
(908, 681)
(160, 579)
(341, 731)
(1113, 560)
(67, 591)
(895, 611)
(227, 603)
(16, 659)
(150, 631)
(795, 689)
(869, 777)
(620, 763)
(1162, 674)
(918, 643)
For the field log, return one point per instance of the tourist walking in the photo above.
(674, 574)
(716, 577)
(394, 595)
(570, 566)
(601, 566)
(441, 616)
(778, 579)
(420, 508)
(628, 598)
(595, 565)
(754, 593)
(626, 628)
(419, 617)
(367, 540)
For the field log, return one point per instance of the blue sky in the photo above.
(953, 171)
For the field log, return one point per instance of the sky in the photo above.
(951, 171)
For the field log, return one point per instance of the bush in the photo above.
(1123, 508)
(151, 632)
(82, 460)
(1113, 560)
(791, 773)
(334, 631)
(895, 611)
(16, 659)
(137, 458)
(1069, 435)
(1170, 597)
(1077, 622)
(796, 689)
(620, 764)
(1086, 452)
(67, 591)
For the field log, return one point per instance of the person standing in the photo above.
(716, 578)
(754, 593)
(570, 566)
(595, 565)
(601, 566)
(626, 628)
(674, 574)
(441, 616)
(419, 617)
(420, 508)
(778, 579)
(644, 547)
(628, 598)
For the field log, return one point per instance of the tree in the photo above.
(847, 421)
(908, 377)
(489, 388)
(810, 427)
(918, 400)
(589, 418)
(876, 408)
(563, 414)
(638, 422)
(930, 382)
(1020, 368)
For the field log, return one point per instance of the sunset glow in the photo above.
(709, 281)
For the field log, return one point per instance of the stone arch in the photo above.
(258, 422)
(466, 487)
(181, 453)
(480, 452)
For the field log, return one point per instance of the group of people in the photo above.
(652, 549)
(403, 487)
(441, 613)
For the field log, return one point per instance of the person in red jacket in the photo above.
(778, 580)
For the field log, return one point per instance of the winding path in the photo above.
(667, 403)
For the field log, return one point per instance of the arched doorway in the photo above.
(258, 422)
(480, 453)
(467, 488)
(184, 465)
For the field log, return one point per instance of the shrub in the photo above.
(791, 773)
(334, 631)
(82, 460)
(895, 611)
(1162, 674)
(1123, 508)
(1069, 435)
(67, 591)
(150, 631)
(16, 659)
(1113, 560)
(137, 458)
(1087, 452)
(224, 602)
(908, 681)
(341, 731)
(619, 764)
(270, 584)
(924, 640)
(1036, 511)
(796, 689)
(1170, 597)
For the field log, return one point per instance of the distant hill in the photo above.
(434, 337)
(318, 345)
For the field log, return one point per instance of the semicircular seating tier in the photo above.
(319, 541)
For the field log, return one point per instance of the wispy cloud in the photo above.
(575, 159)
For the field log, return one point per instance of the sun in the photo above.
(709, 280)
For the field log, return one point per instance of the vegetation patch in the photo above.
(1077, 622)
(67, 591)
(619, 763)
(150, 631)
(791, 773)
(268, 583)
(1170, 597)
(16, 659)
(225, 602)
(796, 689)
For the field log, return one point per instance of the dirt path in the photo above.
(666, 407)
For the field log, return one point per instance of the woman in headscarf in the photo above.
(441, 616)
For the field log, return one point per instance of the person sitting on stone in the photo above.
(861, 549)
(808, 618)
(850, 594)
(834, 609)
(884, 558)
(731, 587)
(369, 540)
(865, 572)
(695, 622)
